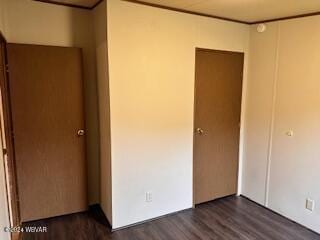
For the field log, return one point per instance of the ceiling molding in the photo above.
(97, 3)
(185, 11)
(69, 4)
(223, 18)
(287, 18)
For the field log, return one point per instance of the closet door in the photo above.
(46, 92)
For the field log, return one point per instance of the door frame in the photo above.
(8, 142)
(240, 127)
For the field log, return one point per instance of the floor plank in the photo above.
(231, 218)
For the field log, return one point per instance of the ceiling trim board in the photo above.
(69, 4)
(185, 11)
(63, 4)
(96, 4)
(223, 18)
(287, 18)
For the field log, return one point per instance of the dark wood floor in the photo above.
(229, 218)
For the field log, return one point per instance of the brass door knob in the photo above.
(80, 132)
(199, 131)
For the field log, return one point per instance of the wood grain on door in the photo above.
(46, 92)
(218, 91)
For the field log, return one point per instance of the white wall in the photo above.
(293, 161)
(40, 23)
(4, 215)
(100, 26)
(260, 87)
(151, 73)
(4, 211)
(4, 201)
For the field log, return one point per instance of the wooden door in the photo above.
(47, 112)
(218, 91)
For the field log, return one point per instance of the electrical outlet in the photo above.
(148, 197)
(310, 204)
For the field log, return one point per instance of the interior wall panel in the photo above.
(292, 167)
(151, 73)
(295, 159)
(260, 88)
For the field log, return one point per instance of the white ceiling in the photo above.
(241, 10)
(244, 10)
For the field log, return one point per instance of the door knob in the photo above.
(80, 132)
(199, 131)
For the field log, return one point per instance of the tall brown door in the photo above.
(47, 114)
(218, 92)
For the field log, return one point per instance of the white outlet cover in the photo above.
(148, 196)
(310, 204)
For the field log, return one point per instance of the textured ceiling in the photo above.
(249, 11)
(244, 10)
